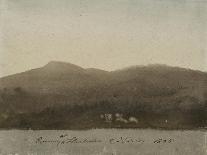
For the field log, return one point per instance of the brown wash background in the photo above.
(107, 35)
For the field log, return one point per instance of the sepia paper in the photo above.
(112, 77)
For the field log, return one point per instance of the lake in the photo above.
(103, 142)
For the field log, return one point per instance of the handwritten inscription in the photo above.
(65, 139)
(125, 140)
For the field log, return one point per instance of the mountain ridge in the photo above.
(58, 91)
(56, 63)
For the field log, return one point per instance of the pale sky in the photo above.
(104, 34)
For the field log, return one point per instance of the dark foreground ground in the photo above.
(80, 117)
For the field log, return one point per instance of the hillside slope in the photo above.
(62, 95)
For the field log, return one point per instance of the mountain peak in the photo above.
(60, 65)
(54, 62)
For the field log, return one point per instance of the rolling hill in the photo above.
(61, 95)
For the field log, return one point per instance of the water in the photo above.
(103, 142)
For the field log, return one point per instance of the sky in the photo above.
(104, 34)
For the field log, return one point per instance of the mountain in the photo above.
(56, 82)
(59, 95)
(54, 75)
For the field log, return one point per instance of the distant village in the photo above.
(118, 118)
